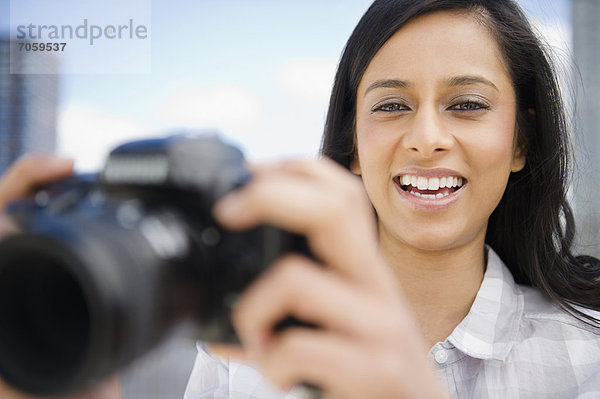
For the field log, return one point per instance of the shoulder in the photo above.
(554, 349)
(540, 313)
(551, 339)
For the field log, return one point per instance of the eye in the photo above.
(465, 106)
(389, 107)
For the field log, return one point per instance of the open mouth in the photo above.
(430, 187)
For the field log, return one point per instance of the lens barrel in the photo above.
(77, 305)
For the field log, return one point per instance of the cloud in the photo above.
(308, 79)
(87, 134)
(226, 107)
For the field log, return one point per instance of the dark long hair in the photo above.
(532, 229)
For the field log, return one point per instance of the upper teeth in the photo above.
(431, 183)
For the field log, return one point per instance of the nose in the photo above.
(428, 136)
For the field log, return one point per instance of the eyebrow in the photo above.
(470, 80)
(451, 82)
(388, 84)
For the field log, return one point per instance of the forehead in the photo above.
(439, 45)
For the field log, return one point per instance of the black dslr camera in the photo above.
(106, 265)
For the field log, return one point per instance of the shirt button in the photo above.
(441, 356)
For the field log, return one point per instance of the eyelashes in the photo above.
(461, 106)
(469, 105)
(391, 107)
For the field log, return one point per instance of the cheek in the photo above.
(375, 142)
(492, 150)
(490, 158)
(376, 155)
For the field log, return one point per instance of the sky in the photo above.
(259, 71)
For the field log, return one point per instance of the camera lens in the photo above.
(49, 329)
(80, 299)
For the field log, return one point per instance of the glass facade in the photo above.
(28, 108)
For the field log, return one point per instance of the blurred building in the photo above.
(586, 49)
(28, 116)
(28, 105)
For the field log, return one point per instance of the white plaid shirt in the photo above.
(513, 344)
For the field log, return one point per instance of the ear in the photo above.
(520, 149)
(355, 165)
(519, 159)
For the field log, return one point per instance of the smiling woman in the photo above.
(436, 120)
(449, 112)
(487, 74)
(445, 120)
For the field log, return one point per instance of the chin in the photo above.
(431, 238)
(431, 245)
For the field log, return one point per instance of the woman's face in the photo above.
(435, 132)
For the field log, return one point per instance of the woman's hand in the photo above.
(17, 182)
(109, 389)
(23, 176)
(367, 344)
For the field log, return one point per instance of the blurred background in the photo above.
(260, 71)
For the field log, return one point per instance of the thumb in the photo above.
(29, 171)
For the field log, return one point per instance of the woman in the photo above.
(449, 113)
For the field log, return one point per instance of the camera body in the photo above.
(106, 265)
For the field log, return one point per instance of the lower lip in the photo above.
(428, 204)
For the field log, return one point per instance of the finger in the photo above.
(30, 171)
(296, 286)
(323, 169)
(318, 358)
(338, 222)
(109, 389)
(7, 227)
(229, 351)
(106, 390)
(7, 392)
(315, 180)
(328, 361)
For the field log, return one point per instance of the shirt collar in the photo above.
(490, 328)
